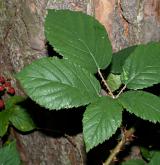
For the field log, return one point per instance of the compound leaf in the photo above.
(79, 38)
(142, 67)
(57, 83)
(101, 120)
(143, 104)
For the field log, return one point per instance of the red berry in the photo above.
(7, 84)
(1, 88)
(2, 79)
(11, 90)
(1, 104)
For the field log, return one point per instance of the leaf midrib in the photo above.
(74, 87)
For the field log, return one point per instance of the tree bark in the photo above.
(22, 40)
(129, 22)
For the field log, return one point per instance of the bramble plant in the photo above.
(12, 115)
(68, 82)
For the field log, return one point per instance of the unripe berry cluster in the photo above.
(5, 87)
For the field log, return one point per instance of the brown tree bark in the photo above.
(129, 22)
(22, 40)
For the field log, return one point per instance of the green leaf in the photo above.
(146, 153)
(119, 58)
(56, 84)
(142, 67)
(79, 38)
(114, 81)
(10, 102)
(142, 104)
(155, 159)
(21, 119)
(15, 114)
(4, 122)
(101, 120)
(134, 162)
(9, 155)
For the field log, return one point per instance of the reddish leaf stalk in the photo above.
(105, 83)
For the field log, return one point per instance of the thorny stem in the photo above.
(126, 137)
(105, 83)
(121, 91)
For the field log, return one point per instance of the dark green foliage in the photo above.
(119, 58)
(142, 67)
(101, 120)
(79, 38)
(144, 105)
(14, 114)
(56, 84)
(69, 82)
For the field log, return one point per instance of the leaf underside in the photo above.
(56, 83)
(142, 67)
(79, 38)
(101, 120)
(143, 104)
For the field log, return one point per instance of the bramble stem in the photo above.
(105, 83)
(121, 91)
(126, 137)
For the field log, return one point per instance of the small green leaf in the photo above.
(146, 153)
(155, 159)
(21, 119)
(101, 120)
(142, 67)
(79, 38)
(4, 122)
(57, 83)
(119, 58)
(114, 81)
(134, 162)
(142, 104)
(10, 102)
(9, 155)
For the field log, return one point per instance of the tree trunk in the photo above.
(129, 22)
(22, 40)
